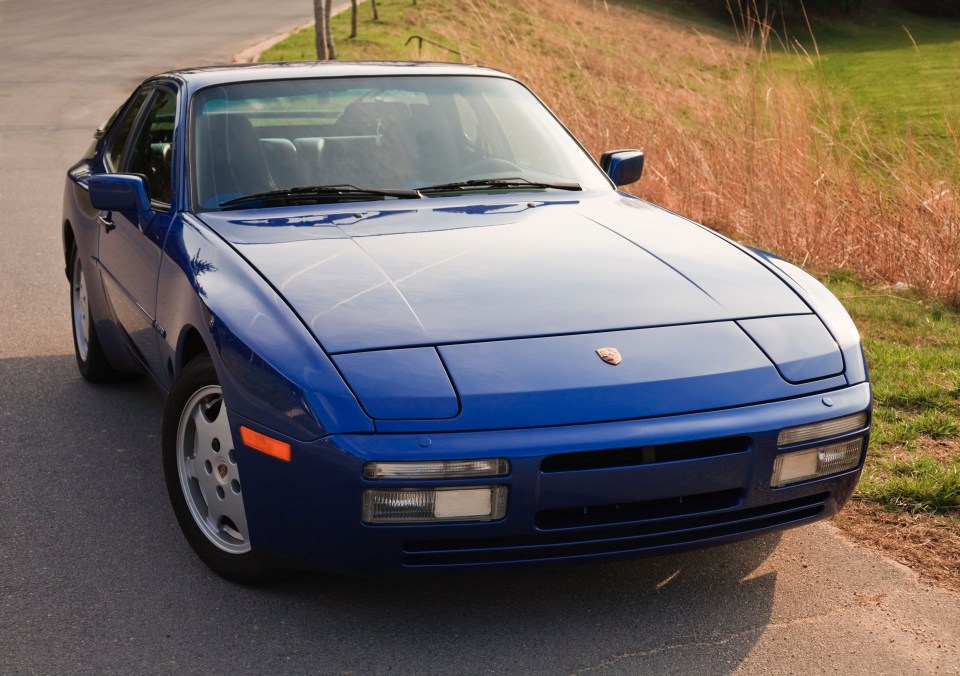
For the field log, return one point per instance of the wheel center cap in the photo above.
(222, 471)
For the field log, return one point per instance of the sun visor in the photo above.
(800, 346)
(408, 384)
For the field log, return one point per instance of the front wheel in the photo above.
(91, 360)
(203, 479)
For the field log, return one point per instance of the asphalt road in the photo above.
(95, 577)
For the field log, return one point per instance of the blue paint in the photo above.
(405, 384)
(799, 346)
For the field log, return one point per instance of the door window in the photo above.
(114, 154)
(152, 150)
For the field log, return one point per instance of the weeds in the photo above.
(915, 484)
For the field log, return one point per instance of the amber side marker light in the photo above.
(264, 444)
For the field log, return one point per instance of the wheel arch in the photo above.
(190, 345)
(69, 240)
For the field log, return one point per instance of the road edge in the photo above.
(252, 53)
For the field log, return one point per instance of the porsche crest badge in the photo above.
(611, 355)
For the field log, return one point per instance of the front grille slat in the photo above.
(647, 510)
(613, 540)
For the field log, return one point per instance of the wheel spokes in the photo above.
(209, 472)
(84, 321)
(80, 309)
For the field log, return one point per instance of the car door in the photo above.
(129, 249)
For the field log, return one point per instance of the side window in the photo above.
(151, 153)
(114, 155)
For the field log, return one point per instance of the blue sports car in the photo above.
(404, 321)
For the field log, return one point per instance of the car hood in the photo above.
(447, 271)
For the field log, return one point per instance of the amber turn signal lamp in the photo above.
(264, 444)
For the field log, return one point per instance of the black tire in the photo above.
(91, 360)
(202, 476)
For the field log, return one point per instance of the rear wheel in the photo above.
(91, 360)
(203, 478)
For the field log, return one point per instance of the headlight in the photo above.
(820, 461)
(822, 430)
(814, 463)
(437, 469)
(434, 505)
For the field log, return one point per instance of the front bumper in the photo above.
(711, 484)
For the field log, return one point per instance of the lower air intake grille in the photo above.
(644, 455)
(579, 517)
(607, 540)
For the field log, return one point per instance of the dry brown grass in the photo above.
(927, 544)
(744, 148)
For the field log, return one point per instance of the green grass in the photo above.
(915, 484)
(899, 75)
(381, 40)
(913, 351)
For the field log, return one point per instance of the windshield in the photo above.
(379, 133)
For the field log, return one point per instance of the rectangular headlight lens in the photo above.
(434, 505)
(814, 463)
(822, 430)
(437, 469)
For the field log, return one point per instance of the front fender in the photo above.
(270, 367)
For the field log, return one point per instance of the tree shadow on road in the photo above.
(692, 612)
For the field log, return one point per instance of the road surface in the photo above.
(95, 576)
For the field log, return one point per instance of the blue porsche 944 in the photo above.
(404, 321)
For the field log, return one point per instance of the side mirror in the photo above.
(126, 193)
(622, 166)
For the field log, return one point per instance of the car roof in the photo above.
(204, 76)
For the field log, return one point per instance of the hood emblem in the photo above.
(611, 355)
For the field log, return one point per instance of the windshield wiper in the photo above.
(306, 194)
(488, 183)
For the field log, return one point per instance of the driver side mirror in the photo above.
(622, 166)
(126, 193)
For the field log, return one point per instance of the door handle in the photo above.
(106, 222)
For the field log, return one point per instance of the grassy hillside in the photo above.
(899, 74)
(896, 72)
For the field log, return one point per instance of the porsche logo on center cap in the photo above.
(611, 355)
